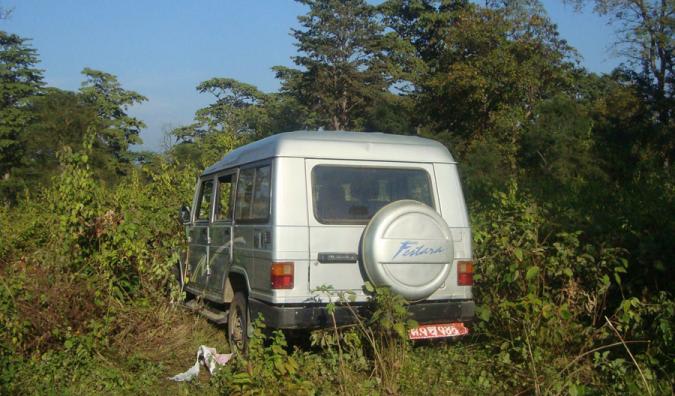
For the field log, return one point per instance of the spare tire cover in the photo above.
(407, 246)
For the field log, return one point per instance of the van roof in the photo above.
(371, 146)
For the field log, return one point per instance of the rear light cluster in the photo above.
(465, 273)
(282, 275)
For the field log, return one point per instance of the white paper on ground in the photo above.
(209, 358)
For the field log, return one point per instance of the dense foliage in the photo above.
(568, 175)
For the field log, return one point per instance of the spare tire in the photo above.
(407, 246)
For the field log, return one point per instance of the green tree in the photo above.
(558, 154)
(392, 114)
(632, 207)
(645, 38)
(238, 109)
(20, 81)
(422, 24)
(118, 130)
(59, 119)
(485, 70)
(633, 128)
(240, 113)
(342, 70)
(237, 116)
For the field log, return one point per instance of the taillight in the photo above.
(282, 275)
(465, 273)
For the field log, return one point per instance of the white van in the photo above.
(276, 219)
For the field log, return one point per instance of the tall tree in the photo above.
(422, 24)
(237, 115)
(342, 69)
(20, 80)
(645, 30)
(118, 129)
(645, 37)
(485, 70)
(237, 109)
(60, 119)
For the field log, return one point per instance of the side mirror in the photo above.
(184, 214)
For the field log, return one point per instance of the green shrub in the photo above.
(87, 306)
(267, 367)
(543, 301)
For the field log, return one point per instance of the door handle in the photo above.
(324, 257)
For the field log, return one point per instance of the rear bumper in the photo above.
(308, 316)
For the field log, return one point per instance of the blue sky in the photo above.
(163, 49)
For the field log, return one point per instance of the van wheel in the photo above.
(237, 323)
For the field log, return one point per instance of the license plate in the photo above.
(438, 331)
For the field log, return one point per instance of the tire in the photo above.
(408, 247)
(237, 323)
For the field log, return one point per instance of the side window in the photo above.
(245, 194)
(253, 195)
(205, 200)
(224, 203)
(261, 196)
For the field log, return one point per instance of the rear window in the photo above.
(352, 195)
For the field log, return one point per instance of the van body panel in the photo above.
(219, 257)
(461, 237)
(451, 197)
(335, 239)
(262, 257)
(290, 243)
(198, 258)
(456, 215)
(243, 250)
(289, 193)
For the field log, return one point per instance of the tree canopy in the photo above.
(20, 81)
(341, 59)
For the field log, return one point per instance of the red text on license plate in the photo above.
(438, 331)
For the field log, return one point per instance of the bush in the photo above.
(87, 304)
(544, 302)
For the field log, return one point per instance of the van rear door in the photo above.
(343, 196)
